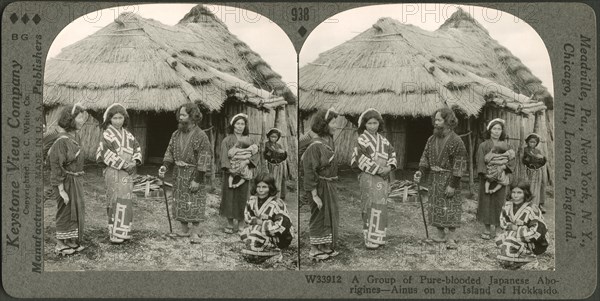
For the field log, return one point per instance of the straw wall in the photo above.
(291, 112)
(395, 132)
(137, 127)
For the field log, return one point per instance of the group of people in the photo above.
(258, 214)
(518, 213)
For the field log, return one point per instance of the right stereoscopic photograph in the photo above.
(426, 141)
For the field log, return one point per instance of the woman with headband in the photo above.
(534, 160)
(320, 175)
(490, 204)
(233, 199)
(66, 170)
(375, 157)
(120, 152)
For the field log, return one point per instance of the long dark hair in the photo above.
(523, 185)
(67, 120)
(112, 112)
(368, 116)
(231, 127)
(192, 110)
(488, 132)
(448, 115)
(267, 179)
(320, 125)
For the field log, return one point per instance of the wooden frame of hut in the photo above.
(153, 69)
(407, 73)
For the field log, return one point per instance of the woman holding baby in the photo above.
(238, 161)
(493, 166)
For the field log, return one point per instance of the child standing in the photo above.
(524, 234)
(239, 158)
(534, 160)
(496, 177)
(275, 156)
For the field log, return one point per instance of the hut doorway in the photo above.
(160, 127)
(417, 133)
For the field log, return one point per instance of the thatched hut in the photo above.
(153, 68)
(407, 73)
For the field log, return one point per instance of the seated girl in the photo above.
(524, 229)
(269, 225)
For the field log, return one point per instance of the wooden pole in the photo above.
(214, 143)
(262, 142)
(470, 139)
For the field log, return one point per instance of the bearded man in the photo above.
(445, 159)
(190, 155)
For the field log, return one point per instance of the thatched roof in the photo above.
(154, 67)
(403, 70)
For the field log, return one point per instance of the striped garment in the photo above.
(274, 228)
(369, 150)
(67, 234)
(115, 142)
(529, 238)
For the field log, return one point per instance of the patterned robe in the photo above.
(66, 167)
(233, 200)
(320, 173)
(274, 229)
(521, 245)
(490, 205)
(116, 148)
(371, 154)
(445, 157)
(191, 152)
(276, 165)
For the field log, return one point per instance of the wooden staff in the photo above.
(422, 206)
(167, 205)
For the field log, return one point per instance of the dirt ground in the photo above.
(406, 248)
(150, 248)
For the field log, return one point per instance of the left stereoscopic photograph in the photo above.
(170, 142)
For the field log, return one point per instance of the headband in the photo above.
(534, 135)
(274, 130)
(332, 110)
(110, 107)
(363, 114)
(236, 116)
(495, 120)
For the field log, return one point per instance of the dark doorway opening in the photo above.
(160, 128)
(418, 131)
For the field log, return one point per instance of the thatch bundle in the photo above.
(152, 67)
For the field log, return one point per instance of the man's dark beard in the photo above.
(184, 126)
(439, 131)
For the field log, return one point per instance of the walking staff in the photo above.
(417, 179)
(167, 205)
